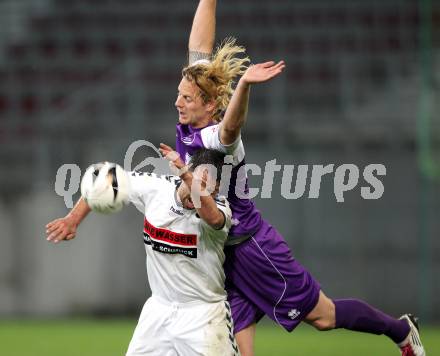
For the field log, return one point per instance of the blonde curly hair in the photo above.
(215, 78)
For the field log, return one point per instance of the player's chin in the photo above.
(189, 204)
(183, 120)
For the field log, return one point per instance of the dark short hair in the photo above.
(208, 156)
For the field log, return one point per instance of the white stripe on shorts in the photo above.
(285, 283)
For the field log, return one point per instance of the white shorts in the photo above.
(186, 329)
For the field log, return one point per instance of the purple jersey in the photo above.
(245, 216)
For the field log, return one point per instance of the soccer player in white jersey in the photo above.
(184, 234)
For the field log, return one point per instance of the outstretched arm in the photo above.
(202, 36)
(236, 112)
(65, 228)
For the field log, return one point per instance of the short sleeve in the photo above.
(142, 187)
(211, 139)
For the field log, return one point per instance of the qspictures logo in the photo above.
(307, 183)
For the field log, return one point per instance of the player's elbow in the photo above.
(216, 221)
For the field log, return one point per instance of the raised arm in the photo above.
(202, 36)
(236, 112)
(65, 228)
(208, 210)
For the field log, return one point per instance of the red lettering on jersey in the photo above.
(168, 236)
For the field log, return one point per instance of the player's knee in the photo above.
(323, 316)
(324, 324)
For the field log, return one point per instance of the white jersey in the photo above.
(184, 254)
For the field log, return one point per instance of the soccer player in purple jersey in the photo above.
(262, 277)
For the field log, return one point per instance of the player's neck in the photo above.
(202, 123)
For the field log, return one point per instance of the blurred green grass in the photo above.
(110, 337)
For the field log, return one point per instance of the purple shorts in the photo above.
(262, 278)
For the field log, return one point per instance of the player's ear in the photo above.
(205, 175)
(210, 106)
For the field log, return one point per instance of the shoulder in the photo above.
(223, 205)
(153, 181)
(210, 136)
(211, 139)
(220, 200)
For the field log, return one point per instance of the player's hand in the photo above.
(61, 229)
(177, 165)
(171, 155)
(262, 72)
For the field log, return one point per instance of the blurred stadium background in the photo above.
(81, 80)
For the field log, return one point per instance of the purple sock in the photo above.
(356, 315)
